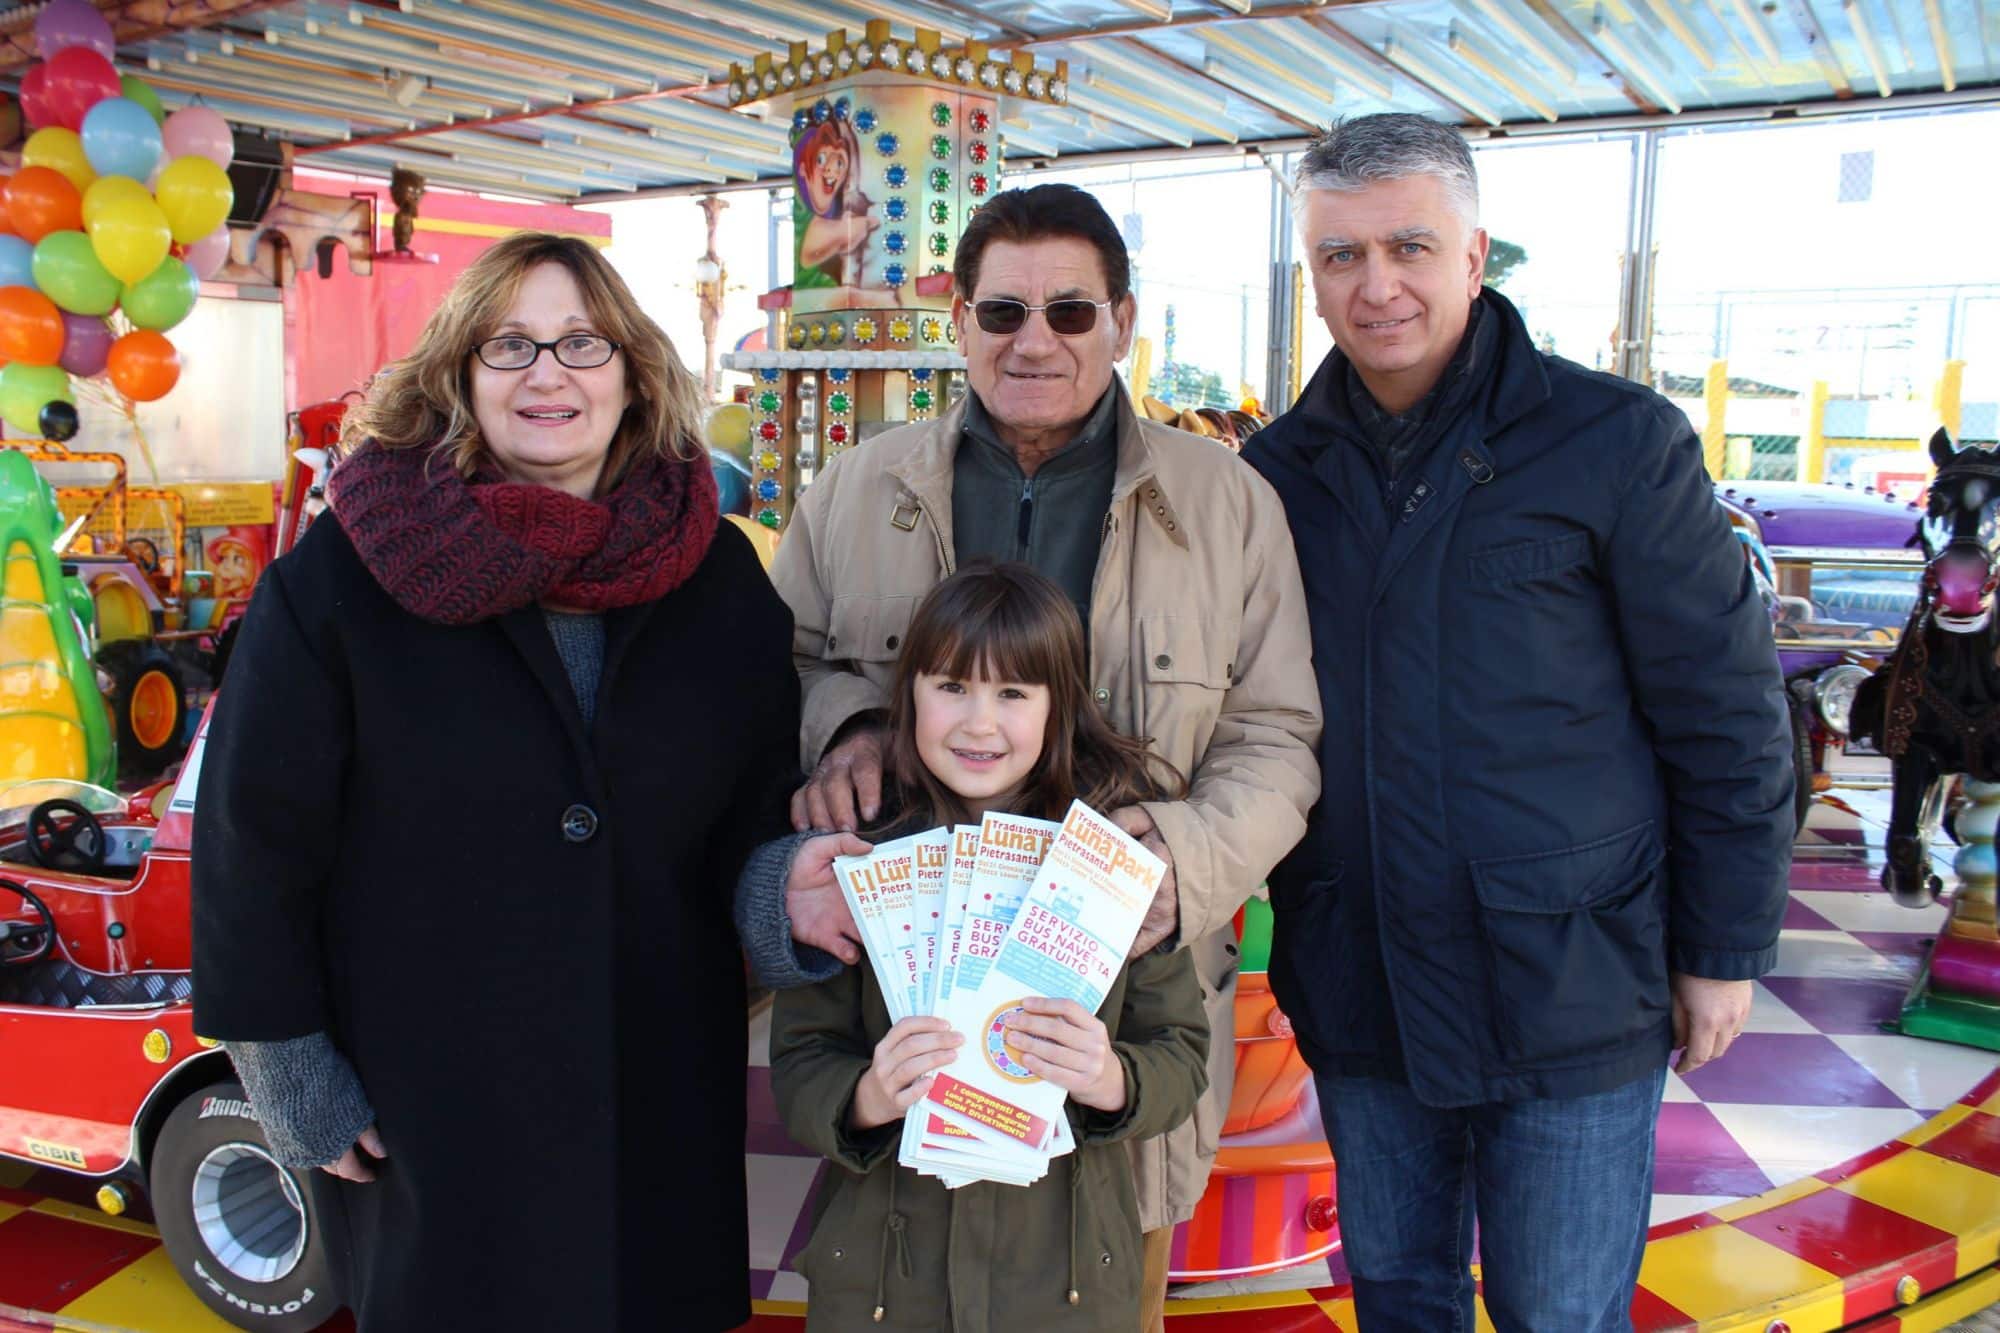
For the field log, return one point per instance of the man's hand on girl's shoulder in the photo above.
(1163, 918)
(845, 789)
(813, 901)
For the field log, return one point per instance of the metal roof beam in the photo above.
(1857, 18)
(527, 48)
(1464, 48)
(681, 64)
(408, 55)
(1416, 62)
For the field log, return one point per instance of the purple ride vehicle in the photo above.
(1837, 571)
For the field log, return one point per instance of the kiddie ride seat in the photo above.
(106, 1079)
(1270, 1198)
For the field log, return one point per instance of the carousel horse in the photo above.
(1934, 706)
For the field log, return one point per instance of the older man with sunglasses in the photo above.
(1180, 564)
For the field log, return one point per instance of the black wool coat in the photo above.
(1556, 764)
(517, 928)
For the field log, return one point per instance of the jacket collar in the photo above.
(926, 472)
(1518, 383)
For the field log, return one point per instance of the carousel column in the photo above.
(1958, 997)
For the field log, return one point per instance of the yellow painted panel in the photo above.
(7, 1210)
(35, 687)
(1481, 1321)
(1962, 1200)
(15, 1174)
(1262, 1300)
(1942, 1309)
(25, 633)
(787, 1309)
(77, 1212)
(1719, 1271)
(24, 576)
(1757, 1203)
(1991, 1105)
(1342, 1314)
(146, 1294)
(1936, 1125)
(38, 746)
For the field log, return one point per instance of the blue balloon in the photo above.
(121, 139)
(17, 263)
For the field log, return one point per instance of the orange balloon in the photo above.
(31, 328)
(41, 200)
(144, 365)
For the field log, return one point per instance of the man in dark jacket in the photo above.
(1555, 823)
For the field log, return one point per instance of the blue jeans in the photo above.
(1561, 1190)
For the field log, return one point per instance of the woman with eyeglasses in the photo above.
(496, 738)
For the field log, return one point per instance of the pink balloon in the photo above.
(78, 79)
(207, 255)
(66, 23)
(86, 345)
(197, 130)
(35, 97)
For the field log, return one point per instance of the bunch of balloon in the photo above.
(117, 213)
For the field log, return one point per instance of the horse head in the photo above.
(1960, 534)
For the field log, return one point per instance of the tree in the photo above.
(1502, 258)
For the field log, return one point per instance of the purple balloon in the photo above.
(86, 344)
(67, 23)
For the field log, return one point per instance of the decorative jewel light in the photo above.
(770, 518)
(736, 90)
(818, 335)
(895, 209)
(768, 401)
(800, 118)
(864, 332)
(836, 434)
(977, 150)
(932, 328)
(787, 76)
(940, 244)
(796, 339)
(824, 65)
(769, 374)
(977, 183)
(897, 176)
(1058, 90)
(940, 179)
(843, 60)
(767, 430)
(821, 110)
(913, 61)
(989, 77)
(864, 120)
(941, 65)
(940, 211)
(1038, 84)
(836, 334)
(921, 400)
(941, 146)
(922, 374)
(769, 461)
(768, 490)
(841, 108)
(963, 69)
(770, 81)
(1010, 79)
(864, 54)
(899, 329)
(895, 242)
(980, 120)
(895, 275)
(887, 143)
(838, 375)
(891, 56)
(940, 114)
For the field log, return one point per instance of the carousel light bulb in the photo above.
(913, 60)
(787, 77)
(963, 69)
(825, 65)
(1058, 90)
(989, 75)
(1038, 85)
(843, 60)
(1010, 79)
(736, 90)
(941, 65)
(891, 55)
(770, 81)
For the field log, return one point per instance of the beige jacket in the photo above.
(1198, 641)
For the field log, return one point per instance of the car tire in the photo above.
(1802, 764)
(148, 702)
(245, 1234)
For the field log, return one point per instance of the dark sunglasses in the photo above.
(1067, 317)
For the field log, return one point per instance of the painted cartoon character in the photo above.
(830, 212)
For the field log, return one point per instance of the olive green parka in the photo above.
(891, 1249)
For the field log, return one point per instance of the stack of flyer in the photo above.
(964, 923)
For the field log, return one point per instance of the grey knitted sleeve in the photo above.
(764, 927)
(305, 1095)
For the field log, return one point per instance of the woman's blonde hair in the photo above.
(425, 399)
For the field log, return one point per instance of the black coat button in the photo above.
(579, 823)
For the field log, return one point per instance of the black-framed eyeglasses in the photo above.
(1069, 317)
(578, 351)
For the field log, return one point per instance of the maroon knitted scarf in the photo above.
(456, 552)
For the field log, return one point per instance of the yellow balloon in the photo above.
(107, 189)
(195, 194)
(131, 237)
(61, 149)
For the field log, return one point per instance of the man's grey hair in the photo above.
(1368, 150)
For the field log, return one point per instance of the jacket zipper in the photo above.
(1026, 523)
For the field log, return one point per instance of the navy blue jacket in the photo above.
(1555, 761)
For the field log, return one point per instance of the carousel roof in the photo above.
(598, 99)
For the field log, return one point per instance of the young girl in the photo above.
(990, 711)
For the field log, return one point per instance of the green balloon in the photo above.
(163, 297)
(66, 269)
(142, 92)
(25, 390)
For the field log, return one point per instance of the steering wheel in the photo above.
(9, 930)
(78, 845)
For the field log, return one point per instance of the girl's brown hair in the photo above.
(1006, 622)
(425, 399)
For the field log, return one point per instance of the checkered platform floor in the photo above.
(1816, 1078)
